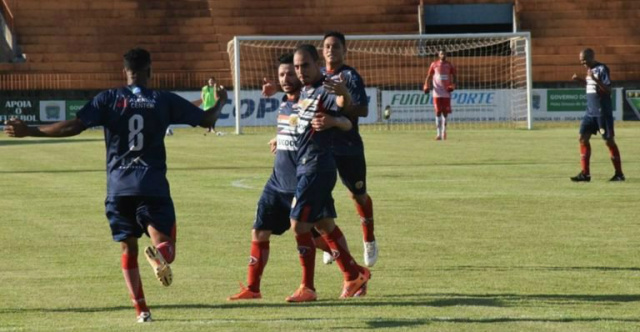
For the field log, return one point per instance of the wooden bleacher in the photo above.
(560, 29)
(78, 44)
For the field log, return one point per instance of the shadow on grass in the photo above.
(398, 323)
(539, 268)
(218, 310)
(171, 169)
(412, 300)
(18, 141)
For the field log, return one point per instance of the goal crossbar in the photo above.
(381, 46)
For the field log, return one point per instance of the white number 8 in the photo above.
(136, 138)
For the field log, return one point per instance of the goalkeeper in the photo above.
(441, 79)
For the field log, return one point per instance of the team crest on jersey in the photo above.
(121, 103)
(359, 184)
(304, 104)
(293, 120)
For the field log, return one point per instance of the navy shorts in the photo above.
(273, 212)
(353, 172)
(313, 200)
(129, 216)
(592, 125)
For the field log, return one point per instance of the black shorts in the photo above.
(593, 125)
(273, 211)
(353, 172)
(129, 216)
(313, 200)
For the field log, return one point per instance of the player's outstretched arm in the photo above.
(577, 78)
(211, 114)
(17, 128)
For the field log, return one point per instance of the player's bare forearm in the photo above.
(60, 129)
(579, 79)
(343, 123)
(323, 121)
(427, 81)
(17, 128)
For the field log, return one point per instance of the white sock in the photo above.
(438, 125)
(444, 125)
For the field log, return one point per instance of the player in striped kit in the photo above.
(599, 116)
(274, 206)
(441, 78)
(316, 168)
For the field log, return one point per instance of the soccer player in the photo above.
(138, 200)
(348, 147)
(598, 117)
(442, 75)
(274, 206)
(316, 175)
(209, 96)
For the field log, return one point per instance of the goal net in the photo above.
(493, 80)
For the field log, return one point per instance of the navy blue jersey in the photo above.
(314, 147)
(350, 142)
(598, 101)
(135, 120)
(283, 179)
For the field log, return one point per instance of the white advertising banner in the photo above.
(256, 110)
(467, 105)
(52, 110)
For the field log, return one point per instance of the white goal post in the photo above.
(493, 87)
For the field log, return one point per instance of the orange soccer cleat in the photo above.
(245, 294)
(353, 287)
(303, 294)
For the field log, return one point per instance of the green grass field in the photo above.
(483, 232)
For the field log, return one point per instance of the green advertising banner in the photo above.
(569, 100)
(73, 106)
(633, 99)
(23, 108)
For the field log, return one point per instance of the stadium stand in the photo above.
(77, 44)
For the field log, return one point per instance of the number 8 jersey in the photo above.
(135, 120)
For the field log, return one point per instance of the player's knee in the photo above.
(129, 246)
(326, 225)
(260, 235)
(299, 227)
(583, 140)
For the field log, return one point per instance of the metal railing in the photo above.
(99, 81)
